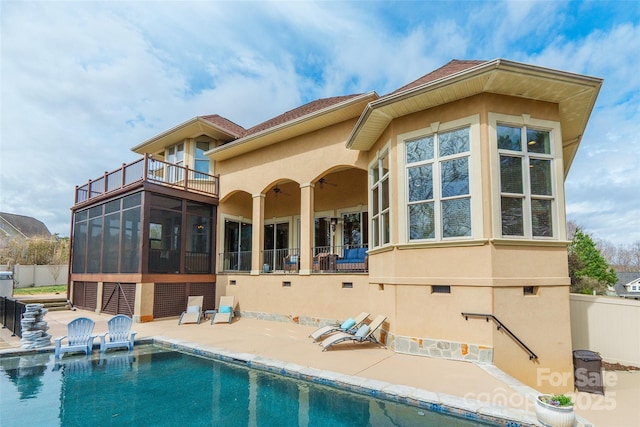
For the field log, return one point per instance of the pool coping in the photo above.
(466, 408)
(469, 409)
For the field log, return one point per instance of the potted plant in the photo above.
(555, 410)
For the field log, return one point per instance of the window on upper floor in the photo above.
(526, 181)
(379, 196)
(175, 155)
(438, 185)
(201, 161)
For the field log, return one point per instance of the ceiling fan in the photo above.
(324, 181)
(277, 190)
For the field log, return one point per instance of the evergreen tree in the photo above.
(587, 267)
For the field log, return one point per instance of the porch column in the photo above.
(257, 233)
(306, 227)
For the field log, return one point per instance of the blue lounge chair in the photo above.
(79, 336)
(364, 334)
(120, 334)
(348, 326)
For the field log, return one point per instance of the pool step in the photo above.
(52, 304)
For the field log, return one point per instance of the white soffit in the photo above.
(189, 129)
(575, 94)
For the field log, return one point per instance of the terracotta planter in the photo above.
(554, 416)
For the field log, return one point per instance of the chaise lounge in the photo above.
(364, 334)
(193, 314)
(348, 326)
(224, 313)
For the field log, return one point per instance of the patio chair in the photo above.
(349, 326)
(364, 333)
(119, 333)
(224, 314)
(79, 336)
(194, 310)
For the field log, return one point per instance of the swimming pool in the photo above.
(157, 386)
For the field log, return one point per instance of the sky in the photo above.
(82, 82)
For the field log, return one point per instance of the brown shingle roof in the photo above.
(452, 67)
(28, 226)
(225, 124)
(296, 113)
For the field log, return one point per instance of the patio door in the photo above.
(237, 246)
(276, 245)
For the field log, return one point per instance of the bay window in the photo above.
(438, 185)
(526, 166)
(379, 190)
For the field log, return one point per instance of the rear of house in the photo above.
(443, 197)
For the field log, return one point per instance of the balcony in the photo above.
(148, 169)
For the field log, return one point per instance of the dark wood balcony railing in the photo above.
(151, 170)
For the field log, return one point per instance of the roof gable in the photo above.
(25, 226)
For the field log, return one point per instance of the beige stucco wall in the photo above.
(485, 275)
(542, 322)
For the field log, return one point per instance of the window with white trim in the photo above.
(526, 181)
(175, 156)
(438, 185)
(380, 209)
(201, 161)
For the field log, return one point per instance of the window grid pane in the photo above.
(538, 141)
(420, 150)
(454, 142)
(541, 219)
(509, 138)
(421, 221)
(540, 176)
(512, 222)
(455, 177)
(511, 175)
(421, 183)
(456, 217)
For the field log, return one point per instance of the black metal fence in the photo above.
(11, 315)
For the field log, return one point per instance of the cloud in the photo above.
(83, 82)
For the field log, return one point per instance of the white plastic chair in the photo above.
(79, 336)
(119, 333)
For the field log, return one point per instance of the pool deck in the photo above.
(469, 386)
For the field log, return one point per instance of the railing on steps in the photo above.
(500, 326)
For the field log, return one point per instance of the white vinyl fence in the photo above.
(609, 326)
(27, 276)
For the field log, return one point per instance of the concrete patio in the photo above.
(458, 384)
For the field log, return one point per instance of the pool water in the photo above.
(154, 386)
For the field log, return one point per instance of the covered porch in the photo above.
(298, 228)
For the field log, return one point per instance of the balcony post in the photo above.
(186, 177)
(145, 167)
(123, 181)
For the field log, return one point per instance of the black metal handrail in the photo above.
(501, 325)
